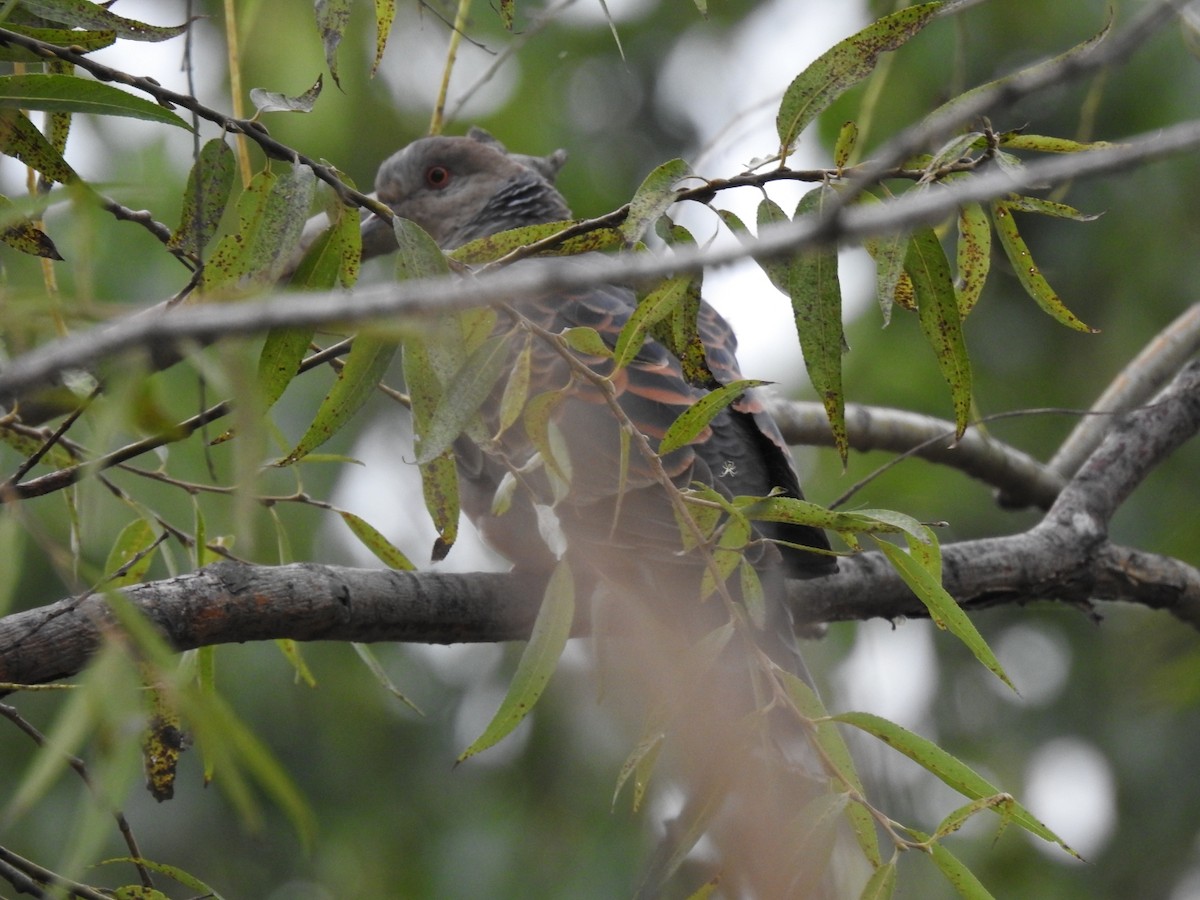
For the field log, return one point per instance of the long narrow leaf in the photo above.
(937, 307)
(538, 662)
(841, 67)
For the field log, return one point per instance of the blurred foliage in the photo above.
(533, 816)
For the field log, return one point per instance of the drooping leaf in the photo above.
(230, 261)
(439, 477)
(375, 667)
(68, 93)
(937, 307)
(462, 398)
(385, 14)
(205, 198)
(540, 428)
(943, 610)
(946, 767)
(367, 361)
(696, 417)
(332, 18)
(516, 388)
(845, 774)
(272, 101)
(546, 642)
(961, 878)
(974, 256)
(881, 885)
(816, 296)
(20, 139)
(654, 196)
(641, 759)
(174, 872)
(843, 66)
(85, 14)
(24, 236)
(1028, 273)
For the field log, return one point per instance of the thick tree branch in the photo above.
(1065, 557)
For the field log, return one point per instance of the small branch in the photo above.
(419, 297)
(1017, 474)
(1158, 362)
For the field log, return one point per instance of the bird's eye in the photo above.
(437, 177)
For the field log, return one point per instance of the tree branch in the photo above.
(421, 297)
(1065, 557)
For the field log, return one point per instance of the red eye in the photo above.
(437, 177)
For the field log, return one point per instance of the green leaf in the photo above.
(24, 236)
(538, 662)
(292, 653)
(587, 341)
(881, 885)
(85, 41)
(816, 296)
(135, 538)
(493, 247)
(417, 254)
(1049, 208)
(540, 429)
(84, 14)
(731, 546)
(173, 872)
(365, 365)
(385, 14)
(974, 256)
(68, 93)
(697, 417)
(272, 101)
(654, 196)
(839, 759)
(943, 609)
(843, 66)
(652, 308)
(374, 541)
(1016, 141)
(279, 361)
(640, 762)
(205, 198)
(937, 307)
(439, 477)
(20, 139)
(844, 145)
(462, 398)
(516, 389)
(947, 768)
(367, 655)
(1027, 273)
(332, 18)
(962, 878)
(439, 487)
(1001, 803)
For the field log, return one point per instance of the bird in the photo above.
(615, 516)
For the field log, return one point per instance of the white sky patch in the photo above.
(891, 672)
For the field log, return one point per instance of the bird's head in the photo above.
(462, 188)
